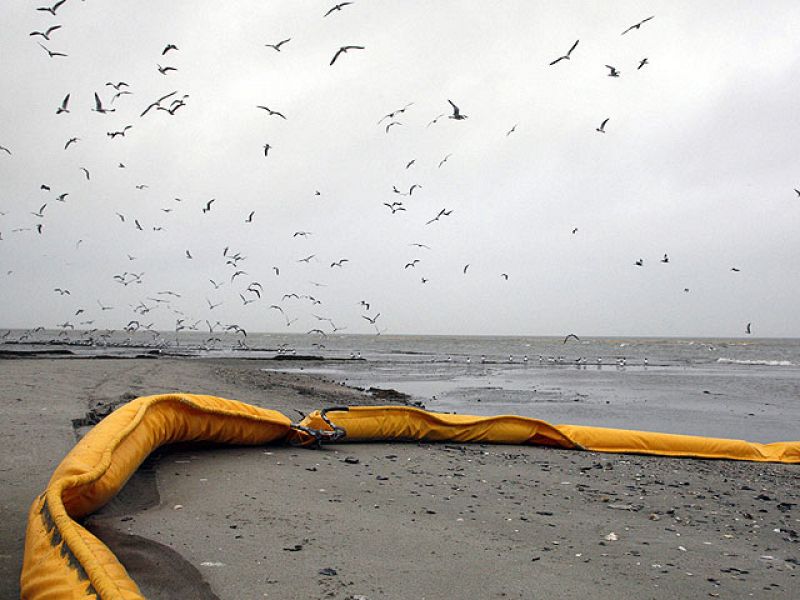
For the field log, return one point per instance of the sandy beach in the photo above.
(390, 520)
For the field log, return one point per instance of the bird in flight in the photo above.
(418, 245)
(392, 124)
(567, 55)
(612, 71)
(412, 264)
(301, 233)
(249, 218)
(466, 266)
(307, 258)
(574, 230)
(665, 260)
(442, 213)
(456, 112)
(165, 70)
(267, 148)
(85, 172)
(637, 25)
(207, 207)
(411, 162)
(571, 335)
(157, 103)
(735, 269)
(602, 128)
(343, 50)
(371, 319)
(98, 105)
(168, 48)
(512, 130)
(113, 134)
(272, 112)
(6, 150)
(63, 108)
(73, 140)
(277, 47)
(395, 206)
(639, 263)
(339, 6)
(46, 34)
(444, 160)
(117, 85)
(189, 255)
(52, 9)
(339, 263)
(504, 276)
(747, 329)
(51, 53)
(642, 63)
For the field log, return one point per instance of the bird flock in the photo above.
(234, 275)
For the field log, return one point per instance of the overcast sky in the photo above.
(698, 161)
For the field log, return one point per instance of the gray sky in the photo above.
(699, 161)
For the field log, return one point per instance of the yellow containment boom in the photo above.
(64, 560)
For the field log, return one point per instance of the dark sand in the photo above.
(391, 520)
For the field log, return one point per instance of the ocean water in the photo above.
(734, 388)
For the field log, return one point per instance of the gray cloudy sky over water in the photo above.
(699, 160)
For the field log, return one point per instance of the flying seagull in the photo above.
(52, 9)
(566, 56)
(73, 140)
(277, 46)
(343, 50)
(63, 108)
(46, 34)
(637, 25)
(267, 148)
(168, 48)
(51, 53)
(272, 112)
(613, 71)
(98, 105)
(207, 207)
(456, 112)
(747, 329)
(642, 63)
(571, 335)
(164, 70)
(602, 128)
(337, 7)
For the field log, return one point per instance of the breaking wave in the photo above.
(767, 363)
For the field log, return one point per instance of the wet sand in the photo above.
(391, 520)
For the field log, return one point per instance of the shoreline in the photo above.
(393, 520)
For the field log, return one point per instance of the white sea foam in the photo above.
(767, 363)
